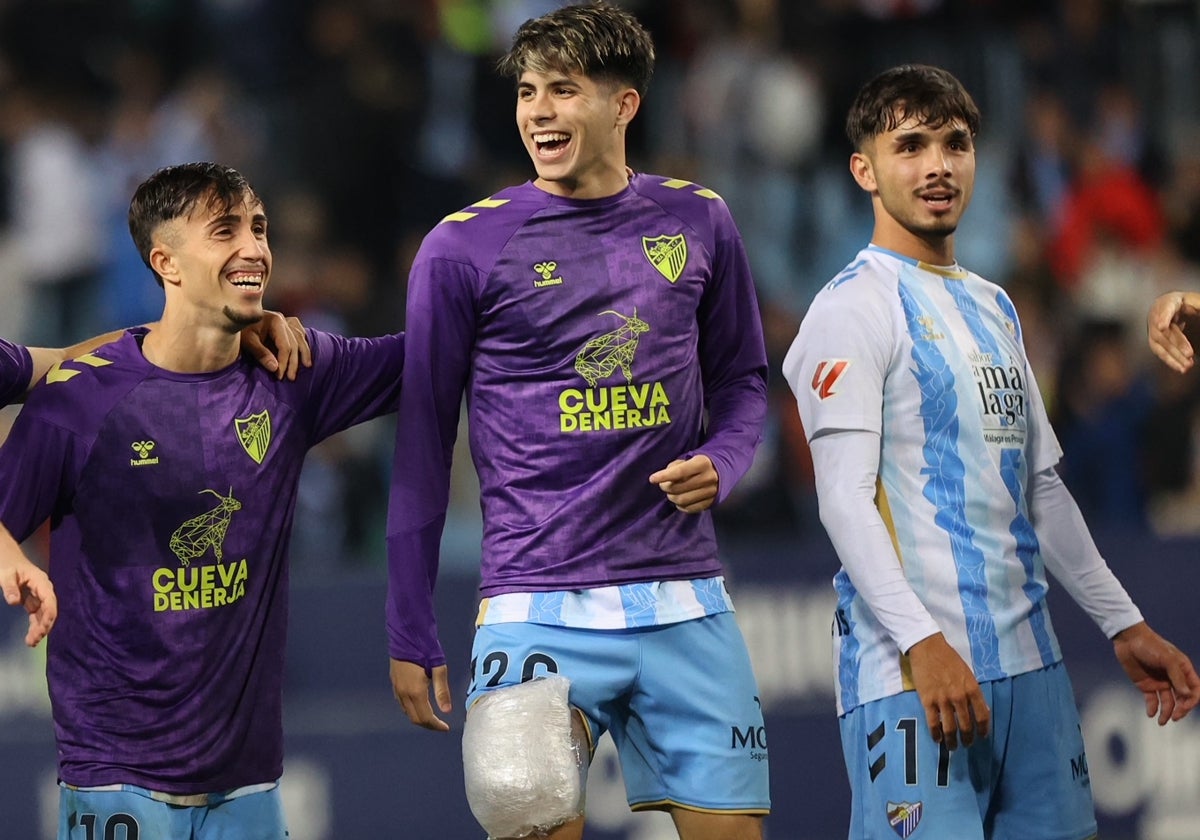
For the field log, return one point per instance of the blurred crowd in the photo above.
(363, 122)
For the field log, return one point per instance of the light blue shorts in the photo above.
(131, 813)
(1028, 780)
(679, 700)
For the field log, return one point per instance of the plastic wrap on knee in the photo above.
(525, 772)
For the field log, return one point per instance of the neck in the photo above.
(612, 180)
(934, 249)
(183, 345)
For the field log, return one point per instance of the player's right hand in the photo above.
(1165, 323)
(953, 701)
(25, 584)
(411, 684)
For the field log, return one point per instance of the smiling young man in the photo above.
(935, 469)
(167, 462)
(605, 328)
(279, 345)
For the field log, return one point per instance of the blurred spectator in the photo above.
(55, 212)
(1109, 209)
(756, 114)
(1100, 418)
(1042, 170)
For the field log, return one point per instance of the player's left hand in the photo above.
(690, 485)
(278, 343)
(1162, 672)
(24, 584)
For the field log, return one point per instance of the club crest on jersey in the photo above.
(143, 448)
(827, 374)
(254, 433)
(904, 817)
(546, 269)
(668, 254)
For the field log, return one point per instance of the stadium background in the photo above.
(363, 122)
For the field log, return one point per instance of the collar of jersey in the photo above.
(951, 272)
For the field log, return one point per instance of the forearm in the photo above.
(736, 416)
(412, 573)
(1071, 555)
(846, 465)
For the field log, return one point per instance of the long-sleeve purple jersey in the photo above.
(16, 368)
(596, 341)
(171, 498)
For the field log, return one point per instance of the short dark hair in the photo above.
(597, 39)
(173, 193)
(932, 95)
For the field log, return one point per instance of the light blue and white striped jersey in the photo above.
(932, 360)
(624, 606)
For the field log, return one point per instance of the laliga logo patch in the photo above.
(904, 817)
(828, 372)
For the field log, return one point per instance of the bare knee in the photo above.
(696, 825)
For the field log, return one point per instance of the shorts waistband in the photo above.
(182, 800)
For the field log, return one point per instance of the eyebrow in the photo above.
(231, 218)
(562, 80)
(923, 132)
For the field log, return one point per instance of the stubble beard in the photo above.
(238, 321)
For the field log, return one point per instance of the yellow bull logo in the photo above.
(194, 537)
(602, 355)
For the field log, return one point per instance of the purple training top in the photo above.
(591, 338)
(16, 369)
(171, 499)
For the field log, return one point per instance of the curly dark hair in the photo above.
(931, 94)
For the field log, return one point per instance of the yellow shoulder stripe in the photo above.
(60, 374)
(485, 204)
(679, 184)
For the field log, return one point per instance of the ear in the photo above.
(628, 102)
(164, 264)
(863, 171)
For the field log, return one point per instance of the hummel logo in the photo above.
(546, 269)
(143, 448)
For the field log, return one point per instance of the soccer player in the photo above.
(1169, 316)
(22, 581)
(605, 328)
(935, 469)
(167, 462)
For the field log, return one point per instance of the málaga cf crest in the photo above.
(666, 253)
(254, 433)
(904, 817)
